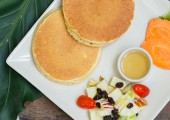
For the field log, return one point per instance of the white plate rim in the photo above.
(10, 60)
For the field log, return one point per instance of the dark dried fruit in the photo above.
(99, 91)
(97, 97)
(110, 100)
(130, 105)
(107, 117)
(137, 114)
(105, 94)
(116, 116)
(98, 105)
(115, 111)
(100, 97)
(119, 84)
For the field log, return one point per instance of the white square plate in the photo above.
(65, 96)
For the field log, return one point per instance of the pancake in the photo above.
(58, 56)
(97, 22)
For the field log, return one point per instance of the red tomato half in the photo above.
(141, 90)
(86, 102)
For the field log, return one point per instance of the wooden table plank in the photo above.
(44, 109)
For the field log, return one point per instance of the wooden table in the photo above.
(44, 109)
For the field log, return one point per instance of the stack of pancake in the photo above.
(97, 22)
(67, 43)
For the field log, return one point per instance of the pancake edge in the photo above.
(47, 75)
(73, 32)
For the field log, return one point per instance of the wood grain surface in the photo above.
(44, 109)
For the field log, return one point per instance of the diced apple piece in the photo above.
(135, 95)
(124, 100)
(142, 108)
(135, 109)
(130, 95)
(123, 118)
(116, 94)
(121, 103)
(132, 117)
(91, 91)
(94, 115)
(116, 80)
(104, 112)
(110, 88)
(130, 112)
(127, 117)
(92, 83)
(103, 85)
(127, 89)
(126, 112)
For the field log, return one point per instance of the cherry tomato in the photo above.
(86, 102)
(141, 90)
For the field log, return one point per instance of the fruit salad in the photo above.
(116, 100)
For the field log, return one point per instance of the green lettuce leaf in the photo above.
(167, 16)
(16, 18)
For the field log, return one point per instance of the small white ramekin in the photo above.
(123, 55)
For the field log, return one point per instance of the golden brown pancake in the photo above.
(97, 22)
(58, 56)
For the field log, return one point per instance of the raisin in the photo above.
(107, 117)
(100, 97)
(116, 116)
(99, 91)
(130, 105)
(97, 97)
(105, 94)
(115, 111)
(110, 100)
(119, 84)
(98, 105)
(137, 114)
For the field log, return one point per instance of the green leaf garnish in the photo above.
(16, 18)
(167, 16)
